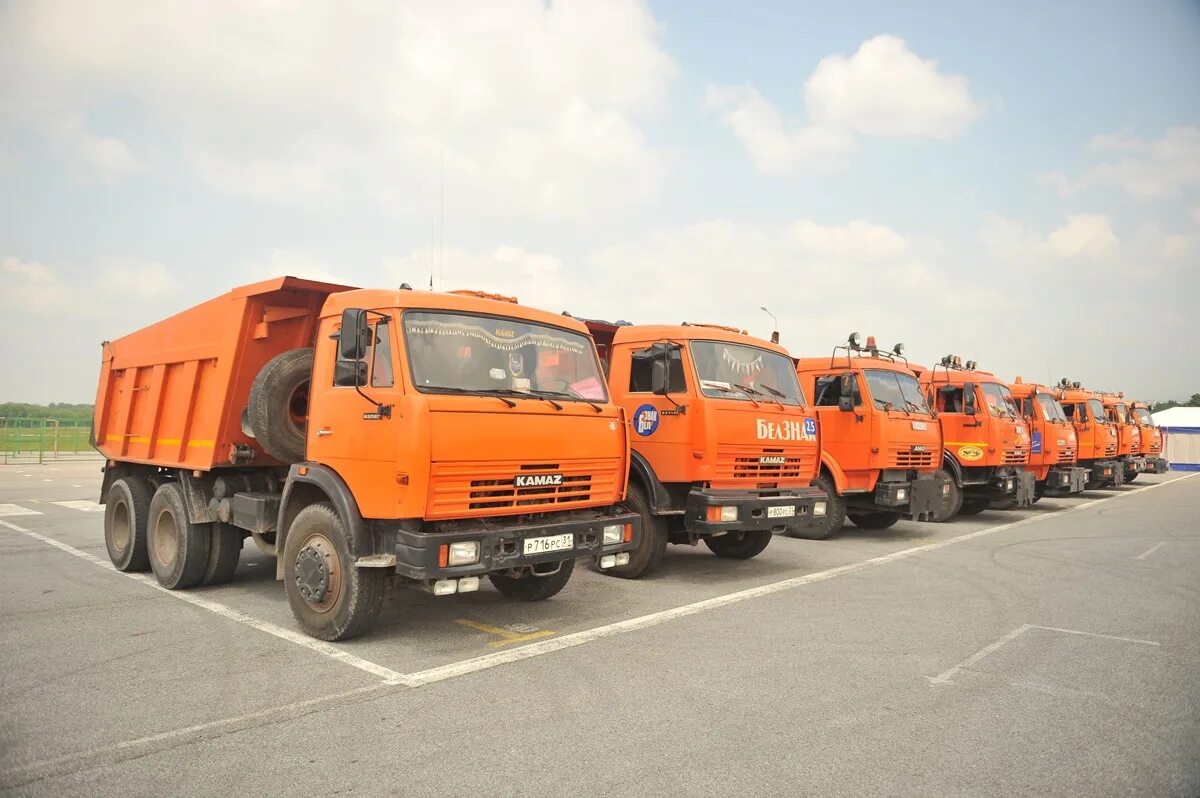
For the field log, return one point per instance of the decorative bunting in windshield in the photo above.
(540, 340)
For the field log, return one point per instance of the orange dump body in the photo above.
(889, 437)
(172, 394)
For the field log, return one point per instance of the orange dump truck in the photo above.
(881, 447)
(1096, 435)
(1053, 447)
(1152, 439)
(985, 440)
(724, 448)
(1129, 435)
(357, 434)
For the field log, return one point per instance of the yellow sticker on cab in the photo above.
(970, 453)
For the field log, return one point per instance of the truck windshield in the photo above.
(1051, 409)
(1096, 408)
(1143, 416)
(901, 391)
(999, 399)
(733, 371)
(1119, 413)
(464, 353)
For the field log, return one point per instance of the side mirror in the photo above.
(969, 398)
(846, 392)
(659, 376)
(352, 340)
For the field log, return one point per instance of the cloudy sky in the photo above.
(1017, 183)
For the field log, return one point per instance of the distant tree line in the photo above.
(1193, 402)
(62, 411)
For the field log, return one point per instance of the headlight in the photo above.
(819, 508)
(613, 534)
(465, 552)
(901, 495)
(722, 513)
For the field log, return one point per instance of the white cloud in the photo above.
(1087, 236)
(884, 89)
(535, 278)
(105, 156)
(1165, 167)
(123, 288)
(531, 107)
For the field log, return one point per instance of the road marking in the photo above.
(16, 509)
(152, 743)
(1150, 551)
(329, 650)
(82, 504)
(944, 677)
(508, 636)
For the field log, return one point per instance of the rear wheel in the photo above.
(952, 499)
(876, 520)
(739, 545)
(178, 548)
(223, 554)
(651, 543)
(331, 598)
(126, 514)
(835, 512)
(277, 410)
(974, 505)
(530, 586)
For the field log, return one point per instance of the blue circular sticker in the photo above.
(645, 420)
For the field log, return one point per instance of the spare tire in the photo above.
(277, 412)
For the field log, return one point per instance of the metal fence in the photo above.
(42, 440)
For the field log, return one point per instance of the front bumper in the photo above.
(502, 543)
(754, 511)
(1157, 465)
(1134, 465)
(1102, 471)
(921, 498)
(1065, 480)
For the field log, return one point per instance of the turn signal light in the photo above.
(722, 513)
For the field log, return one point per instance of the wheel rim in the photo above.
(166, 538)
(318, 573)
(121, 533)
(297, 408)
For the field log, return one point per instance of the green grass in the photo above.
(25, 438)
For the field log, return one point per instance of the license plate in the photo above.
(781, 511)
(550, 543)
(920, 425)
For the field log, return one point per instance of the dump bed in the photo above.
(172, 394)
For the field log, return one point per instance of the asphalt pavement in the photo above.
(1054, 650)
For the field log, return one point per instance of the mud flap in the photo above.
(1026, 488)
(925, 497)
(1118, 477)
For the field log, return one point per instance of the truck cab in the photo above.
(1054, 447)
(1129, 435)
(724, 446)
(881, 447)
(986, 441)
(358, 434)
(1152, 439)
(1096, 435)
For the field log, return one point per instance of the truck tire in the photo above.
(739, 545)
(178, 548)
(876, 520)
(532, 587)
(974, 506)
(126, 513)
(952, 502)
(1131, 477)
(835, 512)
(223, 554)
(651, 542)
(331, 598)
(277, 410)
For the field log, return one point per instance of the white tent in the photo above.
(1181, 428)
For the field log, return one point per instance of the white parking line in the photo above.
(1150, 551)
(16, 509)
(82, 504)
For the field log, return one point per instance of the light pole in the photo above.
(775, 321)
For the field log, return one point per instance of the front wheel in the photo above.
(952, 499)
(835, 512)
(651, 544)
(739, 545)
(875, 520)
(974, 506)
(1131, 477)
(331, 598)
(530, 586)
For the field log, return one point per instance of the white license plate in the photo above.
(920, 425)
(781, 511)
(550, 543)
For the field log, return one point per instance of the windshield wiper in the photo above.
(777, 394)
(746, 389)
(499, 393)
(916, 407)
(563, 394)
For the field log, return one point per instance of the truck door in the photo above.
(657, 429)
(345, 431)
(846, 435)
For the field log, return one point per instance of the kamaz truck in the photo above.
(881, 447)
(358, 435)
(1096, 435)
(1152, 439)
(725, 446)
(986, 441)
(1053, 447)
(1129, 435)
